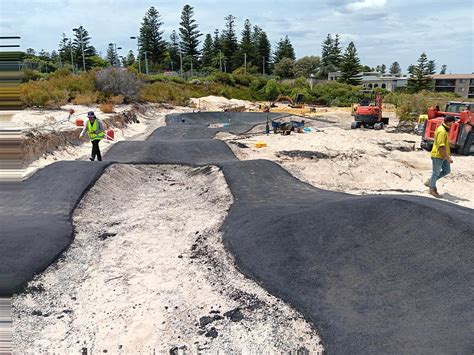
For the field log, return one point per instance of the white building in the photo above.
(372, 80)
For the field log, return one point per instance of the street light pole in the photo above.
(138, 53)
(72, 58)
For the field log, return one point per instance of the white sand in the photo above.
(361, 160)
(150, 283)
(219, 103)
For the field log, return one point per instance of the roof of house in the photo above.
(453, 76)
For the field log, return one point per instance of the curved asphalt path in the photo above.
(375, 274)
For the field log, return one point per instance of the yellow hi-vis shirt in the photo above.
(441, 139)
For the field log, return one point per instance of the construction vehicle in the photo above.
(297, 103)
(369, 115)
(461, 133)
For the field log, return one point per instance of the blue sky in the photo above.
(383, 31)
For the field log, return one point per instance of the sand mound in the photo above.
(219, 103)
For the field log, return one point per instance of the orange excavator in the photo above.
(369, 115)
(461, 133)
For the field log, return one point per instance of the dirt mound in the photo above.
(219, 103)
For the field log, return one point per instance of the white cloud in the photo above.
(366, 5)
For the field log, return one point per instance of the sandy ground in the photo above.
(333, 157)
(152, 118)
(145, 274)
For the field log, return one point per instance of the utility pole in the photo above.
(245, 63)
(263, 66)
(220, 60)
(191, 66)
(181, 63)
(138, 52)
(146, 63)
(72, 58)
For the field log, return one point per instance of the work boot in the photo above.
(434, 192)
(427, 183)
(91, 159)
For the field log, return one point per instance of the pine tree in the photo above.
(208, 53)
(246, 47)
(130, 60)
(383, 68)
(350, 66)
(327, 61)
(264, 49)
(82, 41)
(229, 43)
(151, 37)
(189, 34)
(216, 41)
(395, 69)
(284, 49)
(444, 67)
(173, 49)
(335, 52)
(55, 57)
(112, 55)
(420, 75)
(64, 49)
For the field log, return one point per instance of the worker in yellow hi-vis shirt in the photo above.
(440, 155)
(95, 132)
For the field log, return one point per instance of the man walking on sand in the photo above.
(95, 132)
(440, 155)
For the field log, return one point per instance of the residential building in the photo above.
(461, 84)
(372, 80)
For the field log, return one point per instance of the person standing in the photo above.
(440, 155)
(95, 132)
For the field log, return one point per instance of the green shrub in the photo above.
(223, 78)
(409, 106)
(29, 74)
(272, 90)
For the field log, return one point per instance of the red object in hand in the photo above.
(110, 134)
(79, 122)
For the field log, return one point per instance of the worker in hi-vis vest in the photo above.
(95, 132)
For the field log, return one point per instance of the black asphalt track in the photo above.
(375, 274)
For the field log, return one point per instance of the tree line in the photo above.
(189, 49)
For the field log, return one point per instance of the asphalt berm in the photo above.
(375, 274)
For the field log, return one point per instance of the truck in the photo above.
(461, 133)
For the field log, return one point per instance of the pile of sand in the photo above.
(219, 103)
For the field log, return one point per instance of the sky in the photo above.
(383, 31)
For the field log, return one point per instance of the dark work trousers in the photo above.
(96, 150)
